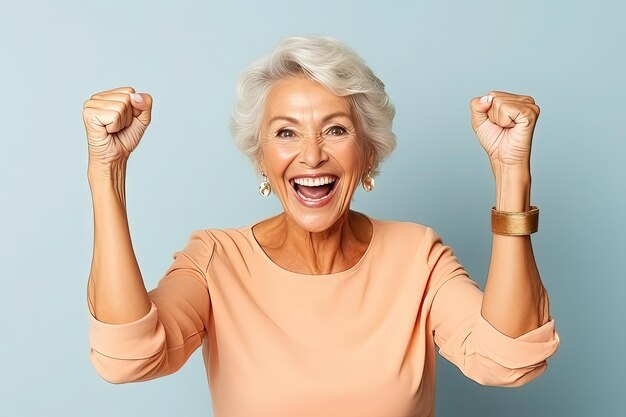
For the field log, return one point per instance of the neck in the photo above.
(333, 250)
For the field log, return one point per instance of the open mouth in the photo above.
(314, 190)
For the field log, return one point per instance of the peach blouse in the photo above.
(355, 343)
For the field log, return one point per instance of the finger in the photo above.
(122, 98)
(125, 90)
(120, 107)
(101, 122)
(142, 107)
(511, 96)
(479, 107)
(499, 113)
(508, 114)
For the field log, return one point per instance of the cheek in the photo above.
(277, 157)
(353, 158)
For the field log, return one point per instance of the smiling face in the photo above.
(310, 152)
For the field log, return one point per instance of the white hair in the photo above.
(334, 65)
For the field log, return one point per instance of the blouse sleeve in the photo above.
(159, 343)
(466, 339)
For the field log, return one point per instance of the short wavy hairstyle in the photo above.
(334, 65)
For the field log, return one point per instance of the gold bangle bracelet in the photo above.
(515, 223)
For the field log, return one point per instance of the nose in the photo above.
(313, 154)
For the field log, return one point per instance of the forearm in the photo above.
(116, 290)
(515, 301)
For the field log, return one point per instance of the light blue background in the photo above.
(186, 174)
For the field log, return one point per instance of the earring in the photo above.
(265, 188)
(368, 182)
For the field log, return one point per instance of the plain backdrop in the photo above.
(186, 174)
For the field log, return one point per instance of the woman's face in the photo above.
(310, 152)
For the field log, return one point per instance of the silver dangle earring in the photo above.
(368, 182)
(265, 188)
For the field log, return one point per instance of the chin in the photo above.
(314, 223)
(317, 216)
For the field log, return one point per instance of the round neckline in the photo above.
(274, 265)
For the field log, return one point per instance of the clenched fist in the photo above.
(115, 121)
(504, 124)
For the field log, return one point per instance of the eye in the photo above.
(285, 134)
(337, 131)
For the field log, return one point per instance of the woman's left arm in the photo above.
(515, 301)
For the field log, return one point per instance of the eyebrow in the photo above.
(325, 119)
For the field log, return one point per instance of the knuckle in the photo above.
(536, 109)
(128, 90)
(118, 106)
(98, 94)
(117, 115)
(119, 96)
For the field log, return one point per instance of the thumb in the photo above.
(479, 107)
(142, 107)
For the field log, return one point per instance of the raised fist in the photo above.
(115, 121)
(504, 124)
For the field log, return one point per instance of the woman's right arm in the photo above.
(115, 121)
(116, 291)
(136, 335)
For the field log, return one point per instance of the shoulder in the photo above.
(198, 249)
(415, 237)
(203, 246)
(227, 237)
(212, 244)
(394, 230)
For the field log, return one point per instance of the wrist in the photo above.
(512, 190)
(107, 181)
(106, 173)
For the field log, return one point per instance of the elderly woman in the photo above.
(320, 310)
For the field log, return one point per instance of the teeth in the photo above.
(314, 182)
